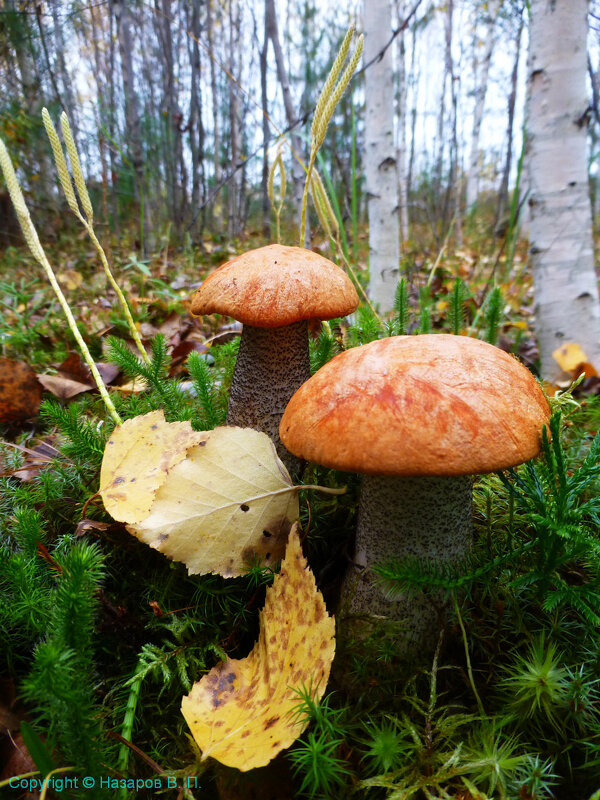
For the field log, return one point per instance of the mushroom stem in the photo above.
(426, 517)
(271, 364)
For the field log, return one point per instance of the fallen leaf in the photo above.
(64, 388)
(589, 370)
(95, 526)
(8, 720)
(229, 502)
(136, 386)
(15, 760)
(70, 279)
(108, 372)
(172, 324)
(242, 712)
(75, 368)
(137, 458)
(20, 391)
(569, 356)
(37, 457)
(214, 500)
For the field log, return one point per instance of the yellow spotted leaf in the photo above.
(569, 356)
(242, 712)
(214, 500)
(229, 502)
(137, 459)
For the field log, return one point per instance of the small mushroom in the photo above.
(418, 416)
(274, 291)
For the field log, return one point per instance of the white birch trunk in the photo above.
(561, 245)
(380, 157)
(401, 114)
(483, 67)
(298, 174)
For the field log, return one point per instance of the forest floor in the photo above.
(102, 636)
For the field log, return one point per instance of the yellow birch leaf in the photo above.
(70, 279)
(569, 356)
(137, 458)
(241, 712)
(230, 501)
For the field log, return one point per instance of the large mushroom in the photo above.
(418, 416)
(274, 291)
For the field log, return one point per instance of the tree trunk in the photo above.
(132, 115)
(266, 133)
(593, 131)
(33, 101)
(171, 115)
(455, 178)
(481, 81)
(380, 166)
(561, 246)
(216, 124)
(402, 159)
(234, 191)
(413, 112)
(512, 98)
(195, 125)
(298, 174)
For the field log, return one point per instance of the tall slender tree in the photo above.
(481, 71)
(290, 111)
(380, 163)
(133, 135)
(519, 22)
(567, 308)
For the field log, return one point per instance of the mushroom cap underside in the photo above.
(276, 285)
(433, 404)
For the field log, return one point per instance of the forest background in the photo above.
(182, 112)
(180, 109)
(177, 110)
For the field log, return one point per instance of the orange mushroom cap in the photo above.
(275, 286)
(418, 405)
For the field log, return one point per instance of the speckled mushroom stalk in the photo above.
(424, 517)
(274, 291)
(271, 364)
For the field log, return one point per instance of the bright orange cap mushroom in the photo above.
(275, 286)
(418, 405)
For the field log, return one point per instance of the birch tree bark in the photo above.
(511, 104)
(266, 133)
(135, 152)
(195, 125)
(482, 66)
(234, 191)
(567, 308)
(455, 182)
(290, 112)
(380, 165)
(216, 123)
(401, 114)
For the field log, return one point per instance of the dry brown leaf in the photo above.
(75, 368)
(37, 457)
(242, 712)
(64, 388)
(20, 391)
